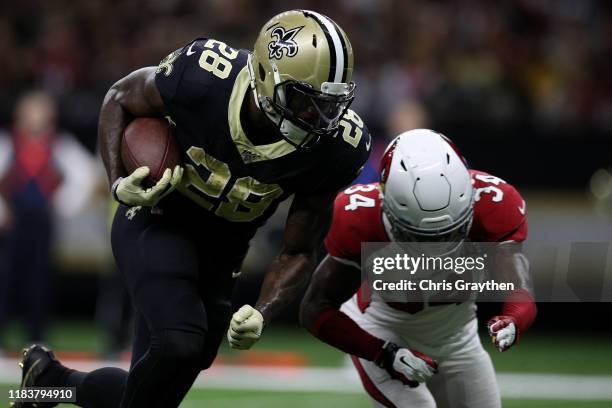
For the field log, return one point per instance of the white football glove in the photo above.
(502, 331)
(408, 366)
(245, 328)
(129, 191)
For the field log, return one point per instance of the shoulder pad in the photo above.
(187, 73)
(356, 219)
(500, 213)
(354, 133)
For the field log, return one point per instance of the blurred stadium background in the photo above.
(523, 87)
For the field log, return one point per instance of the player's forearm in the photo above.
(337, 329)
(521, 306)
(285, 280)
(113, 120)
(333, 284)
(308, 221)
(512, 266)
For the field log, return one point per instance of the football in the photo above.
(150, 142)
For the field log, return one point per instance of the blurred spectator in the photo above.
(43, 172)
(541, 63)
(406, 115)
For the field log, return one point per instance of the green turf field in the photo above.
(537, 353)
(219, 399)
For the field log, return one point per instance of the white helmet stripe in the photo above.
(336, 46)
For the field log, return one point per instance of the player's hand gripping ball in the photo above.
(245, 328)
(503, 332)
(130, 191)
(151, 156)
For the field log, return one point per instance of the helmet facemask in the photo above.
(442, 241)
(311, 114)
(404, 232)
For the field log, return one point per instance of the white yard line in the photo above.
(345, 380)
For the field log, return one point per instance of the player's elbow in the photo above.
(111, 95)
(307, 313)
(302, 255)
(301, 262)
(134, 92)
(118, 91)
(308, 317)
(311, 307)
(113, 100)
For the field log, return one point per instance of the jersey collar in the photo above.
(248, 151)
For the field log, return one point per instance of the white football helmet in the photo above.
(426, 189)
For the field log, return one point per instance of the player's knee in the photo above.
(182, 347)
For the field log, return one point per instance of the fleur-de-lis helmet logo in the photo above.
(283, 42)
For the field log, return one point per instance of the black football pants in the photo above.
(178, 272)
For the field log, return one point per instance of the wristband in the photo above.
(386, 355)
(114, 191)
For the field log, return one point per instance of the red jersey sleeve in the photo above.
(356, 219)
(500, 213)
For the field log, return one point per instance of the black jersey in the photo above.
(203, 86)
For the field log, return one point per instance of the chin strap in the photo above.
(285, 127)
(277, 80)
(264, 105)
(252, 80)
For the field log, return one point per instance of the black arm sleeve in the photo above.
(347, 163)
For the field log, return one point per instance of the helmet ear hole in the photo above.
(262, 72)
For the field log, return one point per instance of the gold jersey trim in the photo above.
(248, 151)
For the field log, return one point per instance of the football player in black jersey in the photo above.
(254, 128)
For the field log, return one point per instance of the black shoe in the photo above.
(36, 360)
